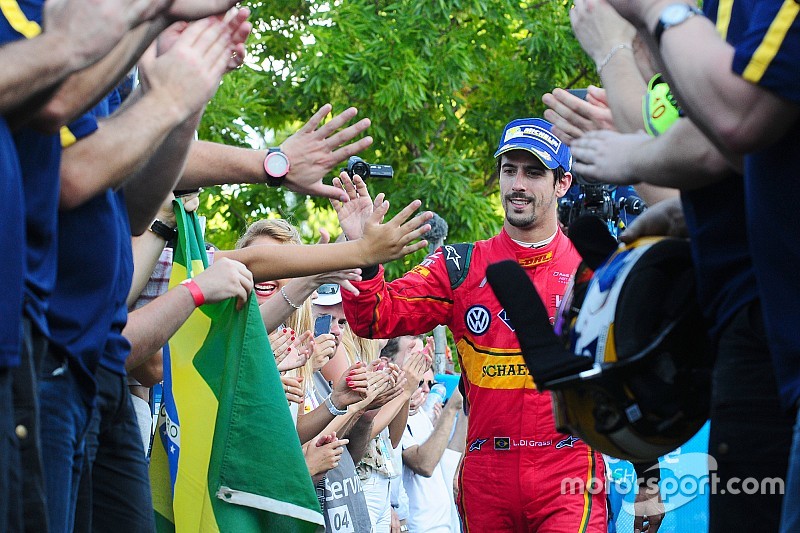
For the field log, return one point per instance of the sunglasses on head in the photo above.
(328, 288)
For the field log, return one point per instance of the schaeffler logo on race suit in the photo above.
(504, 370)
(477, 319)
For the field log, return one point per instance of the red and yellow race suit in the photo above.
(518, 473)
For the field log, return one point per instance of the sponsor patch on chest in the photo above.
(477, 319)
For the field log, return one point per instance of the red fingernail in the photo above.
(292, 338)
(284, 330)
(289, 349)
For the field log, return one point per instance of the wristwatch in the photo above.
(672, 15)
(276, 165)
(163, 230)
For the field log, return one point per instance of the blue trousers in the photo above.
(114, 494)
(65, 418)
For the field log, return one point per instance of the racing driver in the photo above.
(518, 472)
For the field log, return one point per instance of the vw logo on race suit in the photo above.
(478, 319)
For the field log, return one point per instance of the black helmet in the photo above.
(631, 367)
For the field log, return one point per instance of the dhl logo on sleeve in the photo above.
(536, 260)
(494, 368)
(421, 270)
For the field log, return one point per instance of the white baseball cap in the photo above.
(328, 294)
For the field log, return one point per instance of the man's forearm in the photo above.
(428, 454)
(737, 115)
(31, 66)
(681, 158)
(212, 163)
(131, 137)
(150, 327)
(151, 183)
(459, 440)
(84, 89)
(147, 249)
(624, 88)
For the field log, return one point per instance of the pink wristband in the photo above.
(197, 293)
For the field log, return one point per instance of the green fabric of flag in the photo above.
(226, 455)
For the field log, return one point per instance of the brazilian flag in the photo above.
(226, 455)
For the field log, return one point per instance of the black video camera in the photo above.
(356, 165)
(597, 199)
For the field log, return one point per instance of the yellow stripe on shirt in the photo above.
(17, 19)
(724, 17)
(771, 42)
(67, 137)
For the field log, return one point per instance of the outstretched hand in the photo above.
(384, 242)
(315, 150)
(355, 212)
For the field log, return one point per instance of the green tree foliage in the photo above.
(439, 79)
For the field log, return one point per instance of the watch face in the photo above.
(276, 164)
(674, 13)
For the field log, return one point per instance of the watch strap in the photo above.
(163, 230)
(197, 293)
(662, 26)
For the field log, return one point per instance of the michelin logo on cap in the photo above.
(535, 132)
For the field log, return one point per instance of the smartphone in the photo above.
(580, 93)
(322, 325)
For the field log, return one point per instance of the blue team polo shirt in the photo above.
(767, 53)
(39, 160)
(95, 267)
(715, 220)
(12, 242)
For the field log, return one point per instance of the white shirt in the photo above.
(429, 499)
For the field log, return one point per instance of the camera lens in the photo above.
(356, 165)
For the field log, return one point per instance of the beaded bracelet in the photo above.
(288, 301)
(610, 55)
